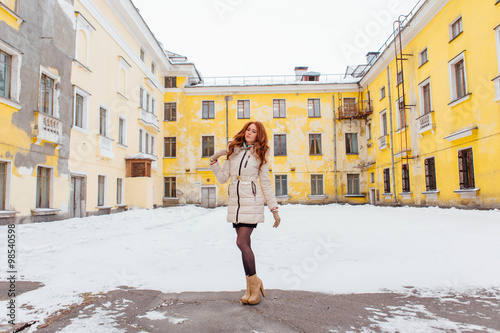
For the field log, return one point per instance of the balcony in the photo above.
(361, 109)
(106, 147)
(425, 122)
(148, 118)
(382, 142)
(48, 129)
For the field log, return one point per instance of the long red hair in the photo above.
(260, 145)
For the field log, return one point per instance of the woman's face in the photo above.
(251, 134)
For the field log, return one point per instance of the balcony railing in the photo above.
(425, 122)
(382, 142)
(148, 118)
(106, 147)
(361, 109)
(274, 79)
(48, 128)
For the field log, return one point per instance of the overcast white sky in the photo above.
(266, 37)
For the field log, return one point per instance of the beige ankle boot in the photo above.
(256, 287)
(245, 297)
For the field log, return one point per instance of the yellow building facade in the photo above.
(123, 123)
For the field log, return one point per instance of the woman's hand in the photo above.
(277, 219)
(218, 154)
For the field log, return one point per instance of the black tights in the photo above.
(243, 242)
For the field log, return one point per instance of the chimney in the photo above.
(371, 57)
(299, 70)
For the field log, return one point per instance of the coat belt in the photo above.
(243, 178)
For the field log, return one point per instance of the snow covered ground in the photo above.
(331, 248)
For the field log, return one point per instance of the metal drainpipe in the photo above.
(335, 148)
(392, 140)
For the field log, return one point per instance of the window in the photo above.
(430, 174)
(5, 70)
(123, 66)
(170, 82)
(383, 123)
(170, 111)
(382, 93)
(425, 90)
(353, 184)
(170, 187)
(387, 180)
(458, 78)
(423, 57)
(466, 169)
(43, 187)
(405, 174)
(207, 110)
(78, 111)
(170, 147)
(3, 186)
(152, 151)
(372, 177)
(103, 121)
(122, 131)
(146, 143)
(350, 105)
(244, 109)
(313, 107)
(141, 134)
(153, 68)
(317, 185)
(401, 114)
(47, 94)
(456, 28)
(351, 143)
(207, 146)
(369, 130)
(101, 190)
(153, 105)
(119, 191)
(147, 102)
(142, 55)
(281, 185)
(399, 78)
(81, 112)
(279, 144)
(314, 144)
(141, 98)
(279, 108)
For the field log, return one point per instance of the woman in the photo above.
(247, 161)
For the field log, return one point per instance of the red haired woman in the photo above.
(247, 162)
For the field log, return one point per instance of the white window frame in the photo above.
(368, 130)
(146, 142)
(153, 144)
(141, 139)
(15, 75)
(420, 63)
(453, 80)
(57, 90)
(142, 55)
(153, 105)
(450, 27)
(382, 93)
(383, 131)
(83, 25)
(421, 93)
(51, 184)
(105, 190)
(8, 173)
(358, 192)
(85, 110)
(124, 135)
(108, 120)
(141, 97)
(122, 192)
(398, 113)
(497, 79)
(153, 67)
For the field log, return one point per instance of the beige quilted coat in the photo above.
(246, 197)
